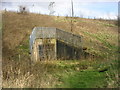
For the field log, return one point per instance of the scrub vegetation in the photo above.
(100, 40)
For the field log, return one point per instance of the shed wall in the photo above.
(52, 43)
(44, 49)
(67, 52)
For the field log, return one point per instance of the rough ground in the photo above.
(99, 37)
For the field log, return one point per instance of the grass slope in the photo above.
(99, 37)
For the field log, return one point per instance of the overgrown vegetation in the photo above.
(99, 38)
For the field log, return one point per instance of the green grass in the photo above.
(101, 39)
(84, 79)
(86, 74)
(77, 74)
(107, 24)
(24, 47)
(110, 25)
(83, 74)
(64, 74)
(18, 70)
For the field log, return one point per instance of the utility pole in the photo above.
(50, 7)
(72, 15)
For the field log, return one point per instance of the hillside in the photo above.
(100, 37)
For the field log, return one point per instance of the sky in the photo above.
(87, 9)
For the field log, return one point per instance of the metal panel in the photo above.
(48, 32)
(41, 32)
(69, 38)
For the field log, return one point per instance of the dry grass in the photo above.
(20, 72)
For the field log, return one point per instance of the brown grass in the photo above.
(16, 31)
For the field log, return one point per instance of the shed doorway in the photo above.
(46, 51)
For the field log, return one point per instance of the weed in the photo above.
(20, 72)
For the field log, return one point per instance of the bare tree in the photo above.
(51, 8)
(23, 9)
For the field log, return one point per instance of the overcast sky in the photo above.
(100, 9)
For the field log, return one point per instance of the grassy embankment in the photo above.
(100, 39)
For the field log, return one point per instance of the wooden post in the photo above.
(19, 56)
(72, 16)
